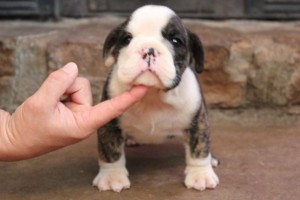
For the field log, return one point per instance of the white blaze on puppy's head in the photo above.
(149, 20)
(150, 48)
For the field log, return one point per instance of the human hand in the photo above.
(44, 123)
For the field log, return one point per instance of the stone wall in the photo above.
(247, 64)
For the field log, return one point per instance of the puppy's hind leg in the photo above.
(113, 174)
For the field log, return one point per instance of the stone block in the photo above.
(26, 68)
(227, 62)
(273, 72)
(7, 70)
(6, 59)
(293, 91)
(88, 57)
(31, 64)
(218, 87)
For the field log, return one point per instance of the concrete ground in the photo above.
(260, 159)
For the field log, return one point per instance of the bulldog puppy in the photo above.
(153, 48)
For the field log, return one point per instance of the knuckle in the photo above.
(84, 82)
(56, 76)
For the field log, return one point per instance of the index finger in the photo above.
(110, 109)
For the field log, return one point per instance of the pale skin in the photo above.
(44, 123)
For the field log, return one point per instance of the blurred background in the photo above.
(252, 46)
(212, 9)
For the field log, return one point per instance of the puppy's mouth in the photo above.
(148, 78)
(147, 66)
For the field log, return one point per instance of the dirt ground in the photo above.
(258, 161)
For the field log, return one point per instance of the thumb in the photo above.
(57, 83)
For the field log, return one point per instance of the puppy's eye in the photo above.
(177, 42)
(126, 40)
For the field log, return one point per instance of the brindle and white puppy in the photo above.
(153, 48)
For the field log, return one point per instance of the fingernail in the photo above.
(70, 68)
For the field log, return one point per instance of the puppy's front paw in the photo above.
(200, 178)
(112, 179)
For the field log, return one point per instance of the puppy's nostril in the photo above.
(151, 52)
(144, 55)
(147, 53)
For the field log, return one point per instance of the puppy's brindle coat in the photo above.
(188, 51)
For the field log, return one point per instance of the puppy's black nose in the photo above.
(151, 51)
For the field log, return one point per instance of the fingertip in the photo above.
(137, 92)
(70, 68)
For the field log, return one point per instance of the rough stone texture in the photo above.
(294, 87)
(264, 61)
(274, 65)
(86, 55)
(6, 58)
(219, 88)
(247, 63)
(32, 65)
(7, 71)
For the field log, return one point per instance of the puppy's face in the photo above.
(151, 48)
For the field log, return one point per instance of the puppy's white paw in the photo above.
(200, 178)
(112, 179)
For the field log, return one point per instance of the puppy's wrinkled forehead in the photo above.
(149, 20)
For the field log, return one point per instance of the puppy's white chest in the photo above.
(161, 116)
(155, 125)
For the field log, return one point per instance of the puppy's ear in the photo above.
(110, 52)
(197, 52)
(109, 43)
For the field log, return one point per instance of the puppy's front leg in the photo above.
(199, 172)
(113, 174)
